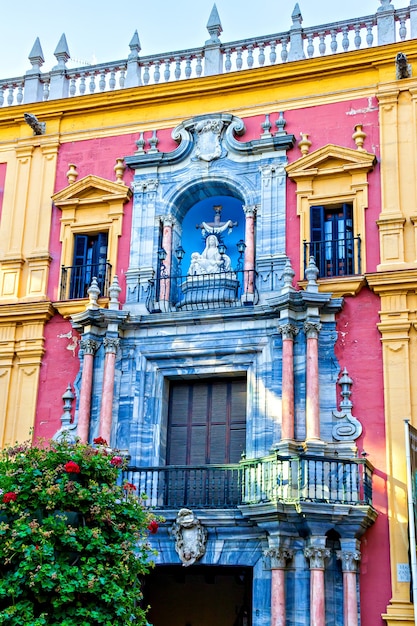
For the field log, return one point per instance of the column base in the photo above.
(287, 447)
(399, 614)
(314, 446)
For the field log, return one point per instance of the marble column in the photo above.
(317, 556)
(110, 345)
(289, 331)
(279, 558)
(249, 262)
(165, 281)
(89, 348)
(312, 330)
(350, 560)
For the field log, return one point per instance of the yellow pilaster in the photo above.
(21, 352)
(396, 284)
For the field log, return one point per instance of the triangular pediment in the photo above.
(89, 189)
(331, 159)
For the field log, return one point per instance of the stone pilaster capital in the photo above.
(279, 557)
(89, 346)
(167, 220)
(312, 329)
(317, 556)
(250, 210)
(288, 331)
(145, 186)
(111, 344)
(350, 559)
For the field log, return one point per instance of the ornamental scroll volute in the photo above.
(190, 537)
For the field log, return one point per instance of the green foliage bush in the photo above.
(73, 540)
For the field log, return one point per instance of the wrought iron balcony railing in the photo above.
(203, 291)
(335, 257)
(76, 279)
(268, 480)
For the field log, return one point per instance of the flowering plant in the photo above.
(73, 540)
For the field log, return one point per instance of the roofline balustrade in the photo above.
(387, 25)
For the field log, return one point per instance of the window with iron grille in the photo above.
(332, 244)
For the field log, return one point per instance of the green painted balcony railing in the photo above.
(271, 479)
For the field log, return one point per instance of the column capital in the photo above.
(350, 559)
(279, 557)
(167, 220)
(312, 329)
(89, 346)
(288, 331)
(250, 210)
(145, 186)
(317, 556)
(111, 344)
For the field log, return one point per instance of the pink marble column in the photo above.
(89, 347)
(317, 556)
(350, 560)
(288, 333)
(249, 262)
(279, 558)
(312, 384)
(165, 282)
(110, 344)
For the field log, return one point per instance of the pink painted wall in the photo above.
(97, 157)
(358, 348)
(59, 367)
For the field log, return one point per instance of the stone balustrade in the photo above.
(387, 25)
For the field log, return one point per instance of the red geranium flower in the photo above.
(72, 468)
(10, 496)
(117, 461)
(129, 487)
(153, 527)
(99, 441)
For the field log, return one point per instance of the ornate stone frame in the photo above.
(90, 205)
(332, 175)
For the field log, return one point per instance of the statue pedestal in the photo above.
(221, 289)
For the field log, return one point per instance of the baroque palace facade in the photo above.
(210, 260)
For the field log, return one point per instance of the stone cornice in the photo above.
(26, 312)
(393, 281)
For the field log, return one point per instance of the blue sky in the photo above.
(100, 30)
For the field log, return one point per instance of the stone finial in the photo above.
(296, 17)
(153, 142)
(72, 173)
(61, 53)
(140, 144)
(280, 123)
(288, 277)
(359, 137)
(311, 275)
(93, 294)
(36, 57)
(304, 144)
(134, 46)
(214, 25)
(385, 6)
(114, 292)
(266, 127)
(349, 427)
(68, 398)
(119, 170)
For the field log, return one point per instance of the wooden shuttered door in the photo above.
(207, 422)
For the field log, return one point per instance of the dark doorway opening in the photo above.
(200, 595)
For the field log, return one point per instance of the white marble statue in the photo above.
(210, 261)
